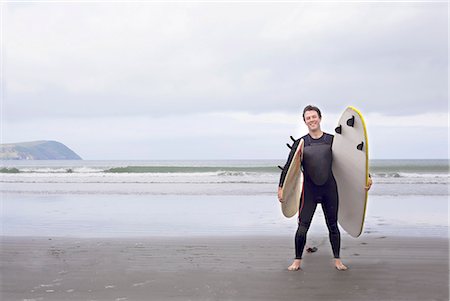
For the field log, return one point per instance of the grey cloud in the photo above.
(157, 61)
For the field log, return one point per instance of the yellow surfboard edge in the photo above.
(367, 163)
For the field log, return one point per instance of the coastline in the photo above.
(221, 268)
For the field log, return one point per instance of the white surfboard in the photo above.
(351, 170)
(293, 184)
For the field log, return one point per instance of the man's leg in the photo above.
(330, 206)
(306, 212)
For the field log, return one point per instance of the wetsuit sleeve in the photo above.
(289, 160)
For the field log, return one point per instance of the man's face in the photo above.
(312, 120)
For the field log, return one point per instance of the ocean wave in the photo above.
(51, 170)
(419, 171)
(231, 173)
(190, 191)
(409, 175)
(192, 178)
(222, 170)
(62, 181)
(9, 170)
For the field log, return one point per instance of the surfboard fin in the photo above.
(280, 167)
(338, 130)
(351, 121)
(290, 147)
(360, 146)
(292, 138)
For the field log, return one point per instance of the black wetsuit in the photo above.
(319, 187)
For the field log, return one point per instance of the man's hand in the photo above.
(280, 194)
(369, 184)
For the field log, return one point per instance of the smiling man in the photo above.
(319, 186)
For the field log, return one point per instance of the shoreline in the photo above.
(221, 268)
(143, 216)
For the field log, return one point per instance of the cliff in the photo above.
(37, 150)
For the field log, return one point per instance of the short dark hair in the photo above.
(311, 108)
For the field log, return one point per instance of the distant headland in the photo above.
(37, 150)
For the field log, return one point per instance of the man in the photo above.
(319, 186)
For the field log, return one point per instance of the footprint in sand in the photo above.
(381, 237)
(110, 286)
(70, 290)
(47, 285)
(142, 283)
(138, 284)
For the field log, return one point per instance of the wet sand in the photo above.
(221, 268)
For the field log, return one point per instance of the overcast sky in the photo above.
(223, 80)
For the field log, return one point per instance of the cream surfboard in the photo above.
(293, 184)
(351, 170)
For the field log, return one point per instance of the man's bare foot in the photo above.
(296, 265)
(339, 265)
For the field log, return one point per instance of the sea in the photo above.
(84, 198)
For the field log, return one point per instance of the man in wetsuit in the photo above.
(319, 186)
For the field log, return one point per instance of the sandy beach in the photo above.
(93, 235)
(221, 268)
